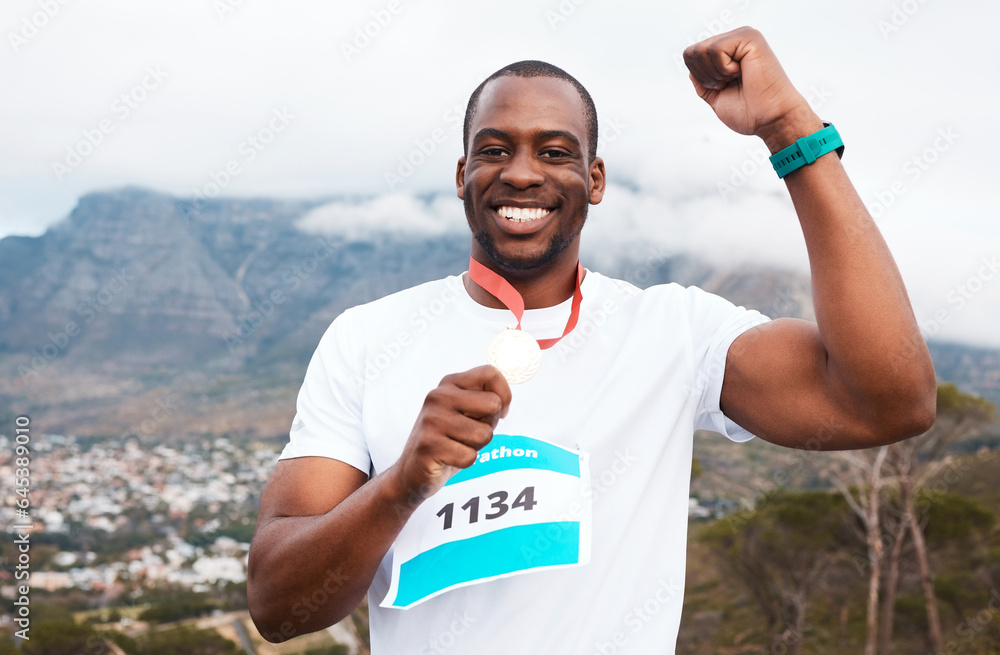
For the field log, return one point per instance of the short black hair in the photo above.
(534, 68)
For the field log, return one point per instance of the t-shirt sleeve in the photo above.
(328, 411)
(715, 324)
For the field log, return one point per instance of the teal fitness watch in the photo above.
(807, 149)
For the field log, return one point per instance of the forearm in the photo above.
(307, 572)
(876, 356)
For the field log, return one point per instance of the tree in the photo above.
(188, 641)
(780, 551)
(861, 483)
(61, 637)
(899, 527)
(916, 461)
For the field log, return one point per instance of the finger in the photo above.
(483, 406)
(706, 94)
(720, 59)
(698, 71)
(469, 432)
(462, 443)
(696, 59)
(484, 378)
(498, 384)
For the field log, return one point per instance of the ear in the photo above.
(460, 178)
(598, 180)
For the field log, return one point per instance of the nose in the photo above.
(522, 170)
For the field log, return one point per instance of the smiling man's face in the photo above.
(526, 180)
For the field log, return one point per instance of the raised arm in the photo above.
(861, 376)
(323, 527)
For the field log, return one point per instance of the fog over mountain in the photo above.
(145, 313)
(952, 275)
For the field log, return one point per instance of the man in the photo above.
(376, 450)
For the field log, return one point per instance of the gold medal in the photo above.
(516, 354)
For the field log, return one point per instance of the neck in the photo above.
(543, 287)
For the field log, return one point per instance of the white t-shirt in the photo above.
(641, 371)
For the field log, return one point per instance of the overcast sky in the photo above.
(311, 99)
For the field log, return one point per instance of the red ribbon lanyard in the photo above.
(502, 290)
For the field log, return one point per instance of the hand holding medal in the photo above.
(514, 352)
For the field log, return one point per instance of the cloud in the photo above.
(398, 213)
(952, 274)
(902, 81)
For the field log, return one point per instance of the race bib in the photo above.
(523, 506)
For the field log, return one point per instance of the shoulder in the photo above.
(686, 313)
(669, 296)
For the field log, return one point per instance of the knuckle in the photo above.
(467, 458)
(481, 434)
(434, 422)
(496, 404)
(424, 449)
(436, 397)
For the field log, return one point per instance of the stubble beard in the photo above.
(557, 245)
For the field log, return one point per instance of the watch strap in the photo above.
(807, 150)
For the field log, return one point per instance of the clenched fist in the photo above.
(454, 424)
(740, 78)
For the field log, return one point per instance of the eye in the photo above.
(492, 152)
(553, 154)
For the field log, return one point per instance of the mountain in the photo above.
(145, 314)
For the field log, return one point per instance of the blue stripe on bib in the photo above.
(507, 451)
(516, 548)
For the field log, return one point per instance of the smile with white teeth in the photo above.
(522, 214)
